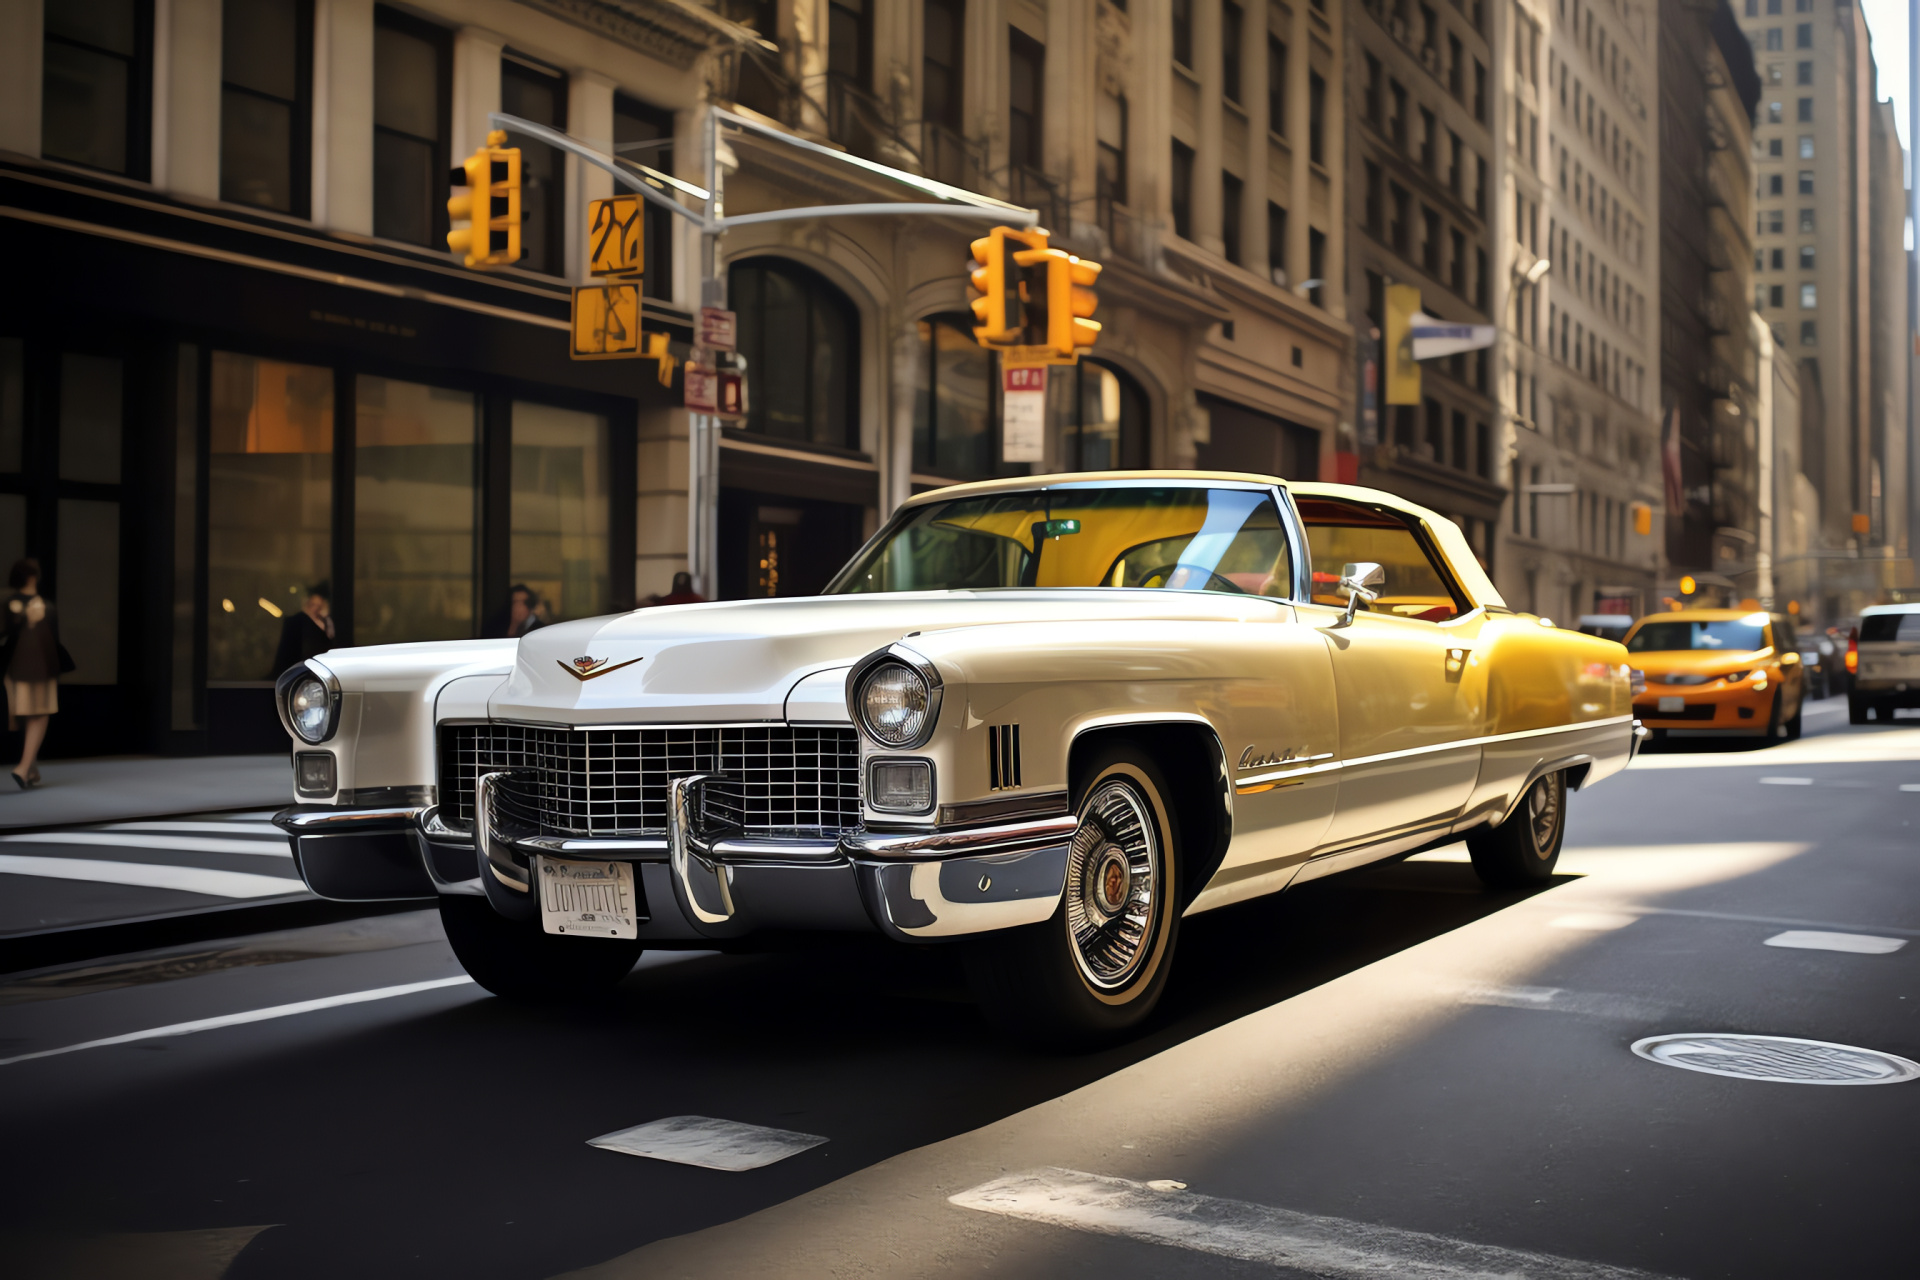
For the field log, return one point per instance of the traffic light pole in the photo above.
(710, 222)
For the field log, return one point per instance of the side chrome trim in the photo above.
(1457, 744)
(1001, 838)
(311, 819)
(1033, 804)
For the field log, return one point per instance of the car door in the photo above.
(1409, 701)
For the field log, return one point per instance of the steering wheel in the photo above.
(1189, 574)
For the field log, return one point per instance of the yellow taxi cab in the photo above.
(1723, 671)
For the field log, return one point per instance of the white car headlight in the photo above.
(309, 708)
(894, 704)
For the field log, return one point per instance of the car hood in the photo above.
(739, 660)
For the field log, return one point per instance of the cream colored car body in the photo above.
(1327, 745)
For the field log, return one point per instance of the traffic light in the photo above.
(1396, 354)
(491, 178)
(1000, 307)
(1060, 301)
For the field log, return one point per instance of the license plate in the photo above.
(587, 899)
(1673, 704)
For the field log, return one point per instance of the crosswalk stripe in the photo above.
(184, 844)
(1328, 1248)
(148, 875)
(250, 1015)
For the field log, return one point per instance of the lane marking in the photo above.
(727, 1145)
(251, 1015)
(1786, 782)
(1592, 1004)
(1740, 919)
(183, 844)
(1910, 786)
(151, 875)
(1857, 943)
(1328, 1248)
(264, 830)
(1594, 921)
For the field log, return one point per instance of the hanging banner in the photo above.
(1023, 413)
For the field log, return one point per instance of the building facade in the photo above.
(1578, 267)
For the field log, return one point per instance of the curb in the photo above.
(46, 947)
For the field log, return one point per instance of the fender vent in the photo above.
(1003, 756)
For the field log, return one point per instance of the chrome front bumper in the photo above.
(915, 885)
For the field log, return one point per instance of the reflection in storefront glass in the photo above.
(560, 503)
(953, 403)
(269, 505)
(413, 465)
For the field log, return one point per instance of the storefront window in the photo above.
(953, 402)
(800, 337)
(269, 506)
(560, 506)
(413, 536)
(1101, 416)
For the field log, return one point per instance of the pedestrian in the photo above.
(34, 661)
(305, 634)
(524, 612)
(682, 593)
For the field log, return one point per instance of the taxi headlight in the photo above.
(896, 704)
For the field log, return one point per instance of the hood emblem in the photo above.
(585, 668)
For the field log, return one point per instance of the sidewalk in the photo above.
(119, 787)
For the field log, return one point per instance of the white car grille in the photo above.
(772, 779)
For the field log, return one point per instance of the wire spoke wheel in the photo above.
(1543, 816)
(1113, 888)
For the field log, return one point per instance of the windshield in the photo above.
(1179, 537)
(1740, 635)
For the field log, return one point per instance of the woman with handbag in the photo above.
(34, 662)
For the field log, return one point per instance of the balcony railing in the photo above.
(952, 158)
(1035, 190)
(863, 125)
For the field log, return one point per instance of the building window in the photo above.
(1110, 147)
(1809, 297)
(534, 93)
(1277, 240)
(1806, 221)
(1397, 114)
(1401, 227)
(1479, 91)
(1277, 86)
(1808, 337)
(1776, 295)
(1102, 415)
(639, 132)
(1803, 6)
(1778, 260)
(1430, 242)
(800, 336)
(1753, 8)
(1806, 257)
(1233, 21)
(1805, 113)
(1316, 117)
(562, 501)
(1806, 146)
(411, 108)
(850, 41)
(95, 86)
(1806, 182)
(1773, 8)
(1773, 113)
(1771, 184)
(266, 72)
(1375, 210)
(1803, 73)
(1182, 192)
(942, 38)
(953, 409)
(414, 502)
(1771, 221)
(1429, 141)
(1480, 279)
(1316, 265)
(1803, 35)
(1026, 63)
(1183, 33)
(1458, 267)
(1773, 40)
(1434, 445)
(1373, 91)
(1232, 193)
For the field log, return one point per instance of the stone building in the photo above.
(1577, 271)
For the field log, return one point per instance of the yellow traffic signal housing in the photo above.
(1000, 307)
(1396, 356)
(1066, 324)
(490, 205)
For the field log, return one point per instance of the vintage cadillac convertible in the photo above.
(1048, 717)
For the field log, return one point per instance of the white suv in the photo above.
(1888, 674)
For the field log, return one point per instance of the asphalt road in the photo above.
(1388, 1070)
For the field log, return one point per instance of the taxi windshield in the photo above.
(1183, 538)
(1735, 635)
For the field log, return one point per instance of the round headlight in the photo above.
(308, 709)
(894, 703)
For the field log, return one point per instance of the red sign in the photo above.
(731, 401)
(701, 388)
(1025, 378)
(716, 329)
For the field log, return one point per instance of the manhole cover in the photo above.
(1781, 1058)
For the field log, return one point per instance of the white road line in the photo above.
(1786, 782)
(1593, 921)
(263, 830)
(727, 1145)
(184, 844)
(149, 875)
(1910, 786)
(1856, 943)
(1740, 919)
(1591, 1004)
(251, 1015)
(1329, 1248)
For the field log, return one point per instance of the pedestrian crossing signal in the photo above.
(606, 322)
(487, 200)
(616, 237)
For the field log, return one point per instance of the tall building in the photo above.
(1577, 296)
(1422, 162)
(1831, 283)
(1708, 366)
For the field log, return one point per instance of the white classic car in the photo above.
(1051, 717)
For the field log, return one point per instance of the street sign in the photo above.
(1023, 414)
(606, 322)
(716, 329)
(616, 236)
(702, 388)
(1433, 338)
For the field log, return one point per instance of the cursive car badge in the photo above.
(585, 668)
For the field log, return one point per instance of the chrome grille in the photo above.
(606, 782)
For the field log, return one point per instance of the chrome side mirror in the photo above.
(1359, 581)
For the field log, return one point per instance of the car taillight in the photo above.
(1853, 651)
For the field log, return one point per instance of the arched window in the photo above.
(801, 339)
(1102, 415)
